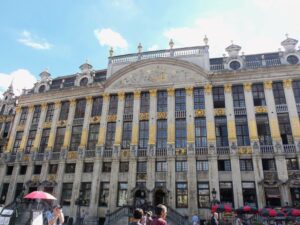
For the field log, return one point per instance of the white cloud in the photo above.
(21, 78)
(153, 48)
(34, 41)
(111, 38)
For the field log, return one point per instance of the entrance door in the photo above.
(159, 197)
(140, 199)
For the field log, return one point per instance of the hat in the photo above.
(57, 206)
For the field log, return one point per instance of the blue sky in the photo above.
(61, 35)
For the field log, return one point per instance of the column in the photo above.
(258, 177)
(103, 121)
(13, 129)
(76, 186)
(119, 122)
(67, 137)
(171, 117)
(85, 128)
(60, 179)
(114, 183)
(39, 131)
(12, 184)
(26, 128)
(283, 176)
(54, 126)
(190, 121)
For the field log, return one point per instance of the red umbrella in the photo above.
(268, 212)
(291, 212)
(39, 195)
(221, 208)
(246, 210)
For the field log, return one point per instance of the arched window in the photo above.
(83, 81)
(42, 89)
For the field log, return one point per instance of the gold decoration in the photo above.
(31, 109)
(35, 178)
(84, 136)
(135, 131)
(89, 98)
(20, 127)
(44, 106)
(51, 177)
(111, 118)
(171, 133)
(152, 134)
(245, 150)
(61, 123)
(248, 86)
(220, 112)
(211, 135)
(118, 135)
(26, 158)
(199, 112)
(23, 143)
(295, 127)
(72, 102)
(275, 129)
(105, 97)
(189, 91)
(72, 155)
(124, 153)
(287, 83)
(171, 91)
(261, 109)
(180, 151)
(95, 119)
(37, 140)
(50, 140)
(253, 130)
(101, 136)
(268, 84)
(121, 95)
(208, 89)
(144, 116)
(47, 124)
(67, 138)
(231, 130)
(137, 94)
(57, 104)
(227, 88)
(18, 109)
(153, 92)
(162, 115)
(190, 132)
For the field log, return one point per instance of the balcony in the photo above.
(161, 152)
(294, 174)
(266, 149)
(78, 121)
(270, 175)
(55, 155)
(180, 114)
(201, 150)
(291, 148)
(39, 156)
(127, 117)
(240, 111)
(141, 152)
(107, 153)
(89, 153)
(281, 108)
(224, 150)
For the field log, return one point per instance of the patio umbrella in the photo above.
(246, 210)
(40, 195)
(221, 208)
(268, 212)
(291, 212)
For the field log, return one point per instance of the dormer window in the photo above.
(292, 59)
(235, 65)
(42, 89)
(83, 81)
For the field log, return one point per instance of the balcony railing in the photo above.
(78, 121)
(272, 62)
(240, 111)
(281, 108)
(127, 117)
(298, 107)
(39, 156)
(141, 152)
(291, 148)
(266, 149)
(224, 150)
(161, 152)
(107, 153)
(180, 114)
(201, 150)
(217, 67)
(89, 153)
(55, 155)
(254, 64)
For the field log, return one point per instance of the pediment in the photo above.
(156, 73)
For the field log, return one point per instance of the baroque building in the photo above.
(170, 126)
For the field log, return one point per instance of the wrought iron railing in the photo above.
(282, 108)
(224, 150)
(114, 217)
(291, 148)
(266, 149)
(89, 153)
(240, 111)
(201, 150)
(161, 152)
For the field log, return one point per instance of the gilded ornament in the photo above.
(137, 94)
(72, 155)
(61, 123)
(95, 119)
(287, 83)
(111, 118)
(51, 177)
(18, 109)
(121, 95)
(26, 158)
(31, 109)
(261, 109)
(180, 151)
(189, 91)
(227, 88)
(171, 91)
(208, 89)
(162, 115)
(153, 92)
(248, 86)
(89, 99)
(124, 153)
(199, 112)
(44, 106)
(268, 84)
(72, 102)
(57, 104)
(35, 178)
(20, 127)
(144, 116)
(47, 124)
(220, 112)
(105, 97)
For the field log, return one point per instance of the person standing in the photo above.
(161, 213)
(214, 219)
(137, 216)
(56, 217)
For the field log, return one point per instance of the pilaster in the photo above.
(76, 186)
(26, 128)
(67, 137)
(209, 113)
(190, 117)
(152, 117)
(40, 127)
(85, 128)
(192, 185)
(236, 180)
(113, 190)
(12, 184)
(59, 180)
(95, 187)
(213, 173)
(132, 178)
(135, 119)
(259, 177)
(171, 116)
(119, 123)
(230, 114)
(171, 181)
(103, 120)
(55, 118)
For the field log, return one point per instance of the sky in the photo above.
(60, 35)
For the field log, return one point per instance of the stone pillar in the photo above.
(39, 131)
(190, 121)
(13, 129)
(283, 176)
(26, 128)
(259, 177)
(135, 119)
(67, 137)
(171, 117)
(54, 126)
(85, 128)
(103, 122)
(236, 180)
(119, 122)
(113, 185)
(76, 186)
(60, 179)
(13, 184)
(132, 178)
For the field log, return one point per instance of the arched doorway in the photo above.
(140, 199)
(159, 197)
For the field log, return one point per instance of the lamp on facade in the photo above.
(214, 196)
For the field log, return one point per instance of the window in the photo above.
(162, 133)
(143, 134)
(80, 109)
(59, 139)
(18, 140)
(145, 102)
(44, 139)
(30, 140)
(9, 170)
(249, 193)
(292, 164)
(93, 136)
(263, 129)
(124, 167)
(181, 166)
(203, 195)
(122, 194)
(278, 92)
(37, 169)
(6, 129)
(226, 193)
(141, 167)
(64, 111)
(84, 81)
(218, 97)
(258, 95)
(296, 88)
(19, 190)
(4, 193)
(285, 129)
(202, 165)
(246, 165)
(242, 132)
(161, 166)
(70, 168)
(224, 165)
(23, 170)
(104, 194)
(85, 189)
(97, 106)
(113, 105)
(126, 134)
(36, 114)
(66, 194)
(128, 105)
(221, 131)
(269, 164)
(238, 96)
(110, 135)
(50, 112)
(200, 132)
(181, 195)
(180, 133)
(88, 167)
(53, 168)
(106, 167)
(162, 101)
(199, 100)
(75, 138)
(180, 100)
(23, 116)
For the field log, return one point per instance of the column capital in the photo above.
(89, 98)
(44, 105)
(287, 83)
(72, 102)
(268, 84)
(31, 108)
(171, 91)
(208, 89)
(105, 96)
(18, 109)
(248, 86)
(121, 95)
(137, 94)
(227, 88)
(189, 90)
(57, 104)
(153, 92)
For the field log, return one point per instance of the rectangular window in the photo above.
(285, 129)
(162, 133)
(181, 166)
(296, 88)
(202, 165)
(199, 100)
(88, 167)
(59, 139)
(221, 131)
(106, 167)
(30, 140)
(161, 166)
(263, 129)
(104, 194)
(53, 168)
(37, 169)
(23, 116)
(203, 195)
(180, 133)
(64, 111)
(93, 136)
(97, 106)
(122, 194)
(162, 101)
(246, 165)
(66, 194)
(226, 193)
(242, 132)
(145, 102)
(224, 165)
(113, 105)
(44, 139)
(143, 134)
(36, 114)
(249, 193)
(292, 164)
(85, 189)
(180, 100)
(200, 132)
(181, 195)
(6, 129)
(128, 105)
(110, 135)
(23, 170)
(126, 134)
(141, 167)
(278, 92)
(75, 138)
(4, 193)
(238, 96)
(269, 164)
(80, 109)
(19, 190)
(258, 95)
(18, 140)
(124, 167)
(50, 112)
(70, 168)
(218, 97)
(9, 170)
